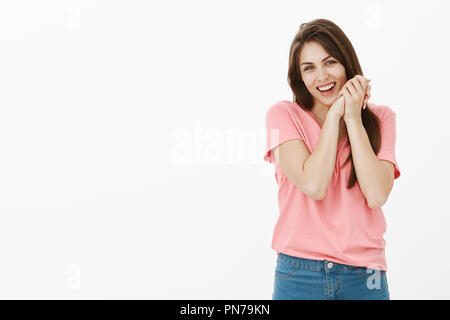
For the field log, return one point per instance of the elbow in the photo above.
(311, 190)
(312, 193)
(317, 194)
(376, 204)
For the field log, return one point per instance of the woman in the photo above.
(334, 158)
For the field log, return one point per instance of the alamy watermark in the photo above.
(219, 147)
(73, 280)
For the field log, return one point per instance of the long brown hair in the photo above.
(336, 44)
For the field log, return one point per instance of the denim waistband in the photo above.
(318, 265)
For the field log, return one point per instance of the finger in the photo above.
(367, 95)
(351, 89)
(368, 92)
(360, 85)
(346, 93)
(340, 93)
(363, 81)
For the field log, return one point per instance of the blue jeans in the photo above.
(305, 279)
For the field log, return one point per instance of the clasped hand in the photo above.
(356, 92)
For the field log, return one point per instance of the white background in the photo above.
(132, 136)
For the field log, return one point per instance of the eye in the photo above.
(329, 61)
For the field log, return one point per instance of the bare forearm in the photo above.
(371, 175)
(319, 166)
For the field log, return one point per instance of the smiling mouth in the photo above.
(328, 87)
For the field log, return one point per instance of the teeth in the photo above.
(327, 87)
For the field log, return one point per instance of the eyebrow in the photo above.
(312, 63)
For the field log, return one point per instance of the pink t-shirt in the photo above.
(341, 227)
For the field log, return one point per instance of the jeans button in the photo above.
(330, 265)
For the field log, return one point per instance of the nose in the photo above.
(322, 75)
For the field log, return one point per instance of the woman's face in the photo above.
(317, 69)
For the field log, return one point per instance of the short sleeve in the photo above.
(388, 134)
(280, 128)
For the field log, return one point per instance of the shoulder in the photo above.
(284, 107)
(381, 111)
